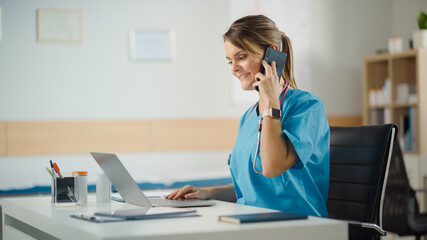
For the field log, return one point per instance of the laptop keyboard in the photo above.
(161, 202)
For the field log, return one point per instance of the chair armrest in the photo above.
(372, 226)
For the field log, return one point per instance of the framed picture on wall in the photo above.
(151, 44)
(60, 25)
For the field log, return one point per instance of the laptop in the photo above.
(130, 191)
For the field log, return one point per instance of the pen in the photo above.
(55, 166)
(51, 167)
(50, 172)
(70, 198)
(85, 216)
(71, 195)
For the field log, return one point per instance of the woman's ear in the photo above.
(275, 47)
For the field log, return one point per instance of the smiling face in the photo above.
(243, 65)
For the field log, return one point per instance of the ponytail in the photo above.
(288, 71)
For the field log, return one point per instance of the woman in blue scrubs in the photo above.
(281, 156)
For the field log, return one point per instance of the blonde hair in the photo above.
(255, 32)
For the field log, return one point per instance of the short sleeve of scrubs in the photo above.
(303, 116)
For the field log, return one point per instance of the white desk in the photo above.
(36, 218)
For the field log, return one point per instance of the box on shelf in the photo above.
(395, 44)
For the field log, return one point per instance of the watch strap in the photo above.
(272, 112)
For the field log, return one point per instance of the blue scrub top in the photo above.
(301, 189)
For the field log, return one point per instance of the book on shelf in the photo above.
(380, 116)
(403, 131)
(408, 136)
(387, 115)
(380, 96)
(413, 121)
(376, 116)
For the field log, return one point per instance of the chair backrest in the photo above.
(359, 158)
(397, 195)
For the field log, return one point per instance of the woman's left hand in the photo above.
(269, 86)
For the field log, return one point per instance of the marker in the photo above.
(51, 167)
(50, 172)
(55, 166)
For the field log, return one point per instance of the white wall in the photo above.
(95, 79)
(342, 33)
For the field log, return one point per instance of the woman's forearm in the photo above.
(223, 193)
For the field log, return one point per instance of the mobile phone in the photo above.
(271, 55)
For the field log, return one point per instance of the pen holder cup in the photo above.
(64, 191)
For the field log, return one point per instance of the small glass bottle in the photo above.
(81, 177)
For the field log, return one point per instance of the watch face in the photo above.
(275, 112)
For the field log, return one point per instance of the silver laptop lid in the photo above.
(121, 179)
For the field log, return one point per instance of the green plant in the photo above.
(422, 20)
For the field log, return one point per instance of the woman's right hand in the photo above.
(189, 192)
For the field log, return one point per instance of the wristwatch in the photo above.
(272, 112)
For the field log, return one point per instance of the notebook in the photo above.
(149, 213)
(135, 214)
(260, 217)
(130, 191)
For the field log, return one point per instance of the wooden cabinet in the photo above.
(395, 90)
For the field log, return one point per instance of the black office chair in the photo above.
(359, 156)
(401, 213)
